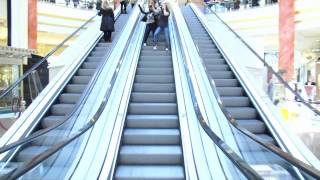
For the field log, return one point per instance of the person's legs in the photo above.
(122, 6)
(155, 37)
(109, 36)
(125, 7)
(167, 37)
(146, 33)
(105, 36)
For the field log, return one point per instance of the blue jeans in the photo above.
(166, 35)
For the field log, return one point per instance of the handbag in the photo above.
(144, 18)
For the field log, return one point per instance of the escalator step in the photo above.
(153, 87)
(152, 121)
(151, 136)
(154, 79)
(154, 64)
(150, 154)
(155, 58)
(226, 82)
(75, 88)
(235, 101)
(86, 72)
(218, 67)
(61, 109)
(153, 97)
(154, 71)
(222, 75)
(50, 121)
(90, 65)
(152, 108)
(230, 91)
(253, 125)
(81, 79)
(243, 112)
(125, 172)
(69, 98)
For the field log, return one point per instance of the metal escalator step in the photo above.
(235, 101)
(243, 112)
(69, 98)
(98, 53)
(50, 121)
(30, 152)
(153, 108)
(154, 71)
(209, 50)
(90, 65)
(253, 125)
(210, 55)
(222, 67)
(94, 59)
(154, 64)
(150, 154)
(266, 138)
(226, 82)
(104, 44)
(61, 109)
(214, 61)
(101, 49)
(151, 136)
(155, 58)
(222, 74)
(81, 79)
(153, 97)
(154, 53)
(75, 88)
(247, 145)
(152, 121)
(153, 87)
(154, 79)
(150, 48)
(86, 72)
(202, 41)
(51, 138)
(230, 91)
(135, 172)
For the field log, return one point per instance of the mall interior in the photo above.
(183, 89)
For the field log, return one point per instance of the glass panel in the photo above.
(14, 101)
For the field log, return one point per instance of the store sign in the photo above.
(286, 38)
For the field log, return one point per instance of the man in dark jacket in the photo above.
(107, 21)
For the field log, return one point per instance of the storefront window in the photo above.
(3, 23)
(8, 75)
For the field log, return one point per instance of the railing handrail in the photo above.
(245, 168)
(287, 157)
(26, 74)
(266, 64)
(46, 154)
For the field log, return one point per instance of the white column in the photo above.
(19, 27)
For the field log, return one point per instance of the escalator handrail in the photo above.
(306, 103)
(77, 106)
(26, 74)
(286, 156)
(49, 152)
(245, 168)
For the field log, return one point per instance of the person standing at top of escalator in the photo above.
(150, 22)
(123, 6)
(107, 20)
(162, 26)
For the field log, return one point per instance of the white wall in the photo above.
(19, 14)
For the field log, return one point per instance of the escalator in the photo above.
(151, 143)
(232, 93)
(66, 101)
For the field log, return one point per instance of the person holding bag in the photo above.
(150, 22)
(107, 21)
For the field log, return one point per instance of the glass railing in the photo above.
(290, 103)
(20, 94)
(53, 161)
(266, 159)
(233, 5)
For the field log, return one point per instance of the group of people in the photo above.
(156, 19)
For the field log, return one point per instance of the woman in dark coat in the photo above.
(107, 21)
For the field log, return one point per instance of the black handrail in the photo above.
(26, 74)
(286, 156)
(246, 169)
(77, 106)
(266, 64)
(14, 174)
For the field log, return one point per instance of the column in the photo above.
(286, 38)
(32, 24)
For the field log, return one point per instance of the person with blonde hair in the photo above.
(107, 20)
